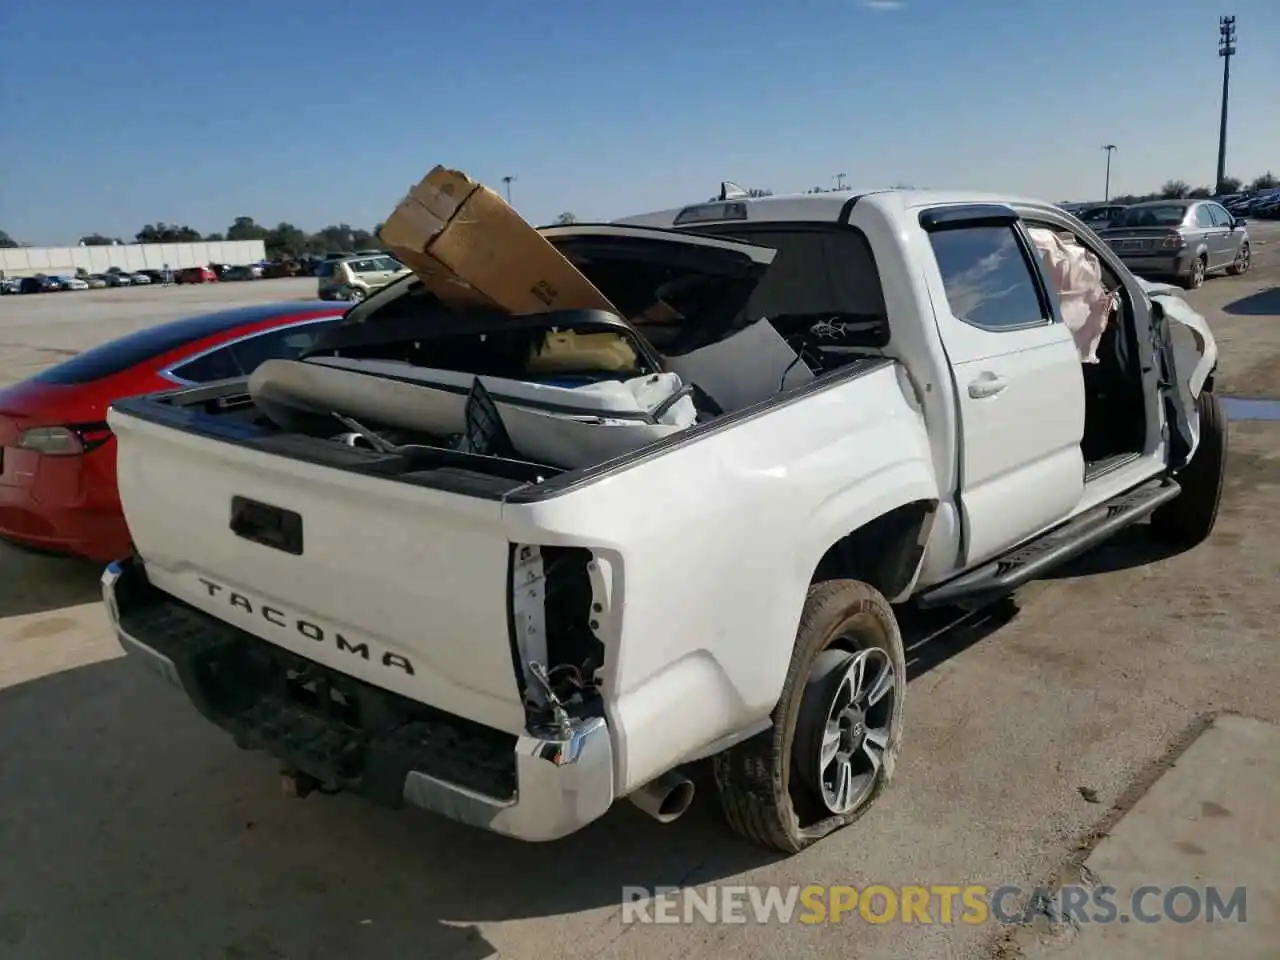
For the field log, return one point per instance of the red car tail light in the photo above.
(69, 441)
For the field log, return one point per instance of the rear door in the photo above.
(1017, 376)
(1225, 240)
(1212, 235)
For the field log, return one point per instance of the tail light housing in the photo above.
(66, 441)
(559, 608)
(1173, 241)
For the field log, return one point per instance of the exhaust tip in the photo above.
(677, 801)
(665, 799)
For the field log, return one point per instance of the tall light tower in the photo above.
(839, 178)
(1226, 50)
(1106, 190)
(507, 182)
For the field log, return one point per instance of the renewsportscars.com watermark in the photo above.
(935, 904)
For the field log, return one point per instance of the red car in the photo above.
(197, 275)
(57, 455)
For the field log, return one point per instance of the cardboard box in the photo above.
(472, 250)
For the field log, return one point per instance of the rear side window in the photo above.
(241, 357)
(135, 348)
(814, 272)
(1203, 217)
(989, 281)
(325, 269)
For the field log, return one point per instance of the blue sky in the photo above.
(122, 113)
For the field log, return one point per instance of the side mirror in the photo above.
(1238, 222)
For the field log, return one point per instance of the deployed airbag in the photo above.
(568, 427)
(1076, 274)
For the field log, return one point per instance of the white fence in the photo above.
(25, 261)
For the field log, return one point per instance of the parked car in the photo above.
(115, 278)
(196, 275)
(278, 269)
(1182, 239)
(1266, 205)
(74, 283)
(38, 284)
(57, 454)
(95, 281)
(1101, 215)
(248, 272)
(140, 279)
(354, 278)
(10, 285)
(689, 547)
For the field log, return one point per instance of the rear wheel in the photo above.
(1189, 518)
(836, 730)
(1195, 274)
(355, 295)
(1242, 261)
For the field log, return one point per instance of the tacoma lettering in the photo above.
(312, 631)
(360, 649)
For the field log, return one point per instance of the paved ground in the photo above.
(1207, 824)
(38, 330)
(130, 828)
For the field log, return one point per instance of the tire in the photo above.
(355, 295)
(1242, 262)
(1194, 279)
(1189, 518)
(770, 786)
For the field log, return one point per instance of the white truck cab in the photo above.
(512, 570)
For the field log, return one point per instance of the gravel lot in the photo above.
(125, 820)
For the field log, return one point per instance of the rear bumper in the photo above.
(92, 534)
(1173, 264)
(542, 785)
(62, 505)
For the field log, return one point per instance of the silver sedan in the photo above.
(1183, 239)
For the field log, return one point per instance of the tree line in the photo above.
(282, 240)
(286, 240)
(1181, 190)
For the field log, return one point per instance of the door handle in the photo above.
(986, 385)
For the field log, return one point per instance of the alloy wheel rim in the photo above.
(856, 733)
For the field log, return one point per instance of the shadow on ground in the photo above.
(33, 582)
(126, 818)
(1264, 303)
(1131, 547)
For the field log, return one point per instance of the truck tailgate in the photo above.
(401, 586)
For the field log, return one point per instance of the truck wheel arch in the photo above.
(884, 552)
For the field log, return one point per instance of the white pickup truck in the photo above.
(513, 569)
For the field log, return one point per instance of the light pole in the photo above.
(1106, 190)
(1226, 50)
(507, 182)
(840, 180)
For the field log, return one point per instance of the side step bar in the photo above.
(1023, 564)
